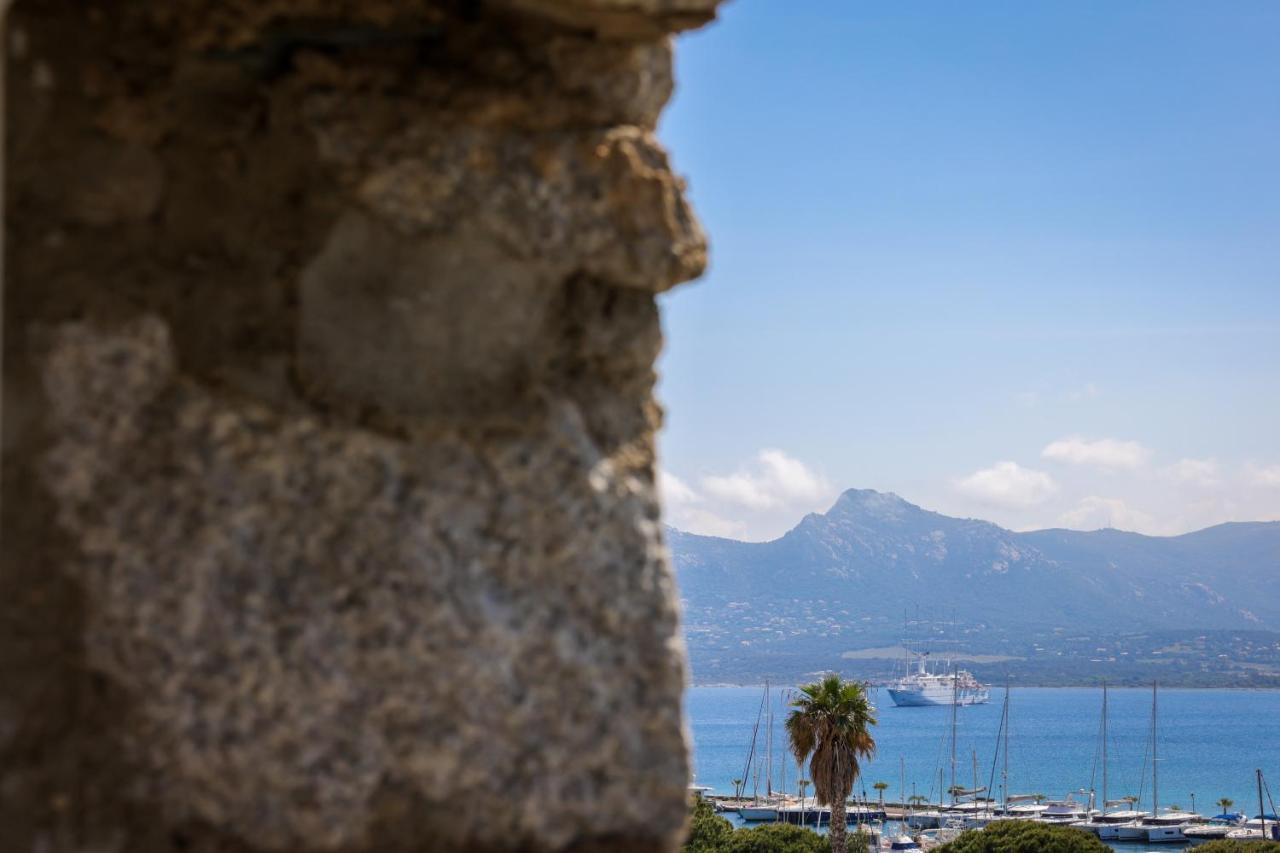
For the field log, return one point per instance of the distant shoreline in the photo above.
(1094, 685)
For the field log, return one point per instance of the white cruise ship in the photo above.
(934, 688)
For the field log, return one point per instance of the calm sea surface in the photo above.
(1210, 742)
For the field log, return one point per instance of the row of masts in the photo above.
(765, 715)
(1002, 750)
(1000, 759)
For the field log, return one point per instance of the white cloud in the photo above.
(1008, 484)
(773, 480)
(683, 508)
(1106, 453)
(1095, 512)
(762, 499)
(1196, 472)
(674, 491)
(707, 523)
(1263, 475)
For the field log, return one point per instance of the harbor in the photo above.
(1045, 754)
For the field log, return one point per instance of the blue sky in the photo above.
(1012, 260)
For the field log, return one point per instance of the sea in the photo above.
(1209, 744)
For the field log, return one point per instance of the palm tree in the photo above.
(1225, 803)
(880, 788)
(829, 727)
(737, 789)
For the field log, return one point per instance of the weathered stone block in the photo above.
(312, 622)
(328, 506)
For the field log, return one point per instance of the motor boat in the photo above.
(1260, 828)
(1214, 829)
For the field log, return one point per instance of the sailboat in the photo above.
(766, 809)
(1157, 828)
(1264, 827)
(1107, 824)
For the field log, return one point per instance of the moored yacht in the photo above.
(1107, 825)
(1264, 827)
(932, 839)
(807, 813)
(1255, 833)
(1167, 828)
(972, 814)
(1214, 829)
(926, 819)
(1063, 811)
(759, 812)
(1025, 807)
(1163, 828)
(1110, 826)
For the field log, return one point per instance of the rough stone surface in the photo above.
(328, 502)
(407, 653)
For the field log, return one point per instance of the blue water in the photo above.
(1210, 742)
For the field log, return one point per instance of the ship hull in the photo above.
(923, 698)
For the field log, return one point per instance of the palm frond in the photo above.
(829, 725)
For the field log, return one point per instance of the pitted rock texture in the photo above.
(336, 634)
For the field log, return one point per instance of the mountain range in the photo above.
(842, 588)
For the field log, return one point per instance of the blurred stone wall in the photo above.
(329, 519)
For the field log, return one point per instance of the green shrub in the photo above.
(778, 838)
(708, 832)
(1230, 845)
(1018, 836)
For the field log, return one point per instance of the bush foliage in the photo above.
(1229, 845)
(778, 838)
(1017, 836)
(710, 833)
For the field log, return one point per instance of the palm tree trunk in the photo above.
(838, 837)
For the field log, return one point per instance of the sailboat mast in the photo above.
(1155, 758)
(1004, 777)
(955, 691)
(751, 754)
(782, 706)
(975, 775)
(1104, 747)
(1262, 809)
(902, 780)
(768, 785)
